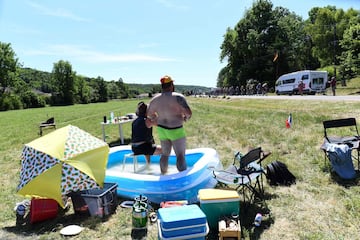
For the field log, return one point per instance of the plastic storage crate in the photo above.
(96, 202)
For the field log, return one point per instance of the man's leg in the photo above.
(164, 159)
(179, 149)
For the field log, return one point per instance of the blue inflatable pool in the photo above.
(156, 187)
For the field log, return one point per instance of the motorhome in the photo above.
(313, 82)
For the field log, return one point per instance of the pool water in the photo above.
(151, 169)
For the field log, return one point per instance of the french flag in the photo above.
(289, 121)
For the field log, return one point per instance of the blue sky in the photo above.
(136, 40)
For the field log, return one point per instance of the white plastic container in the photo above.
(258, 219)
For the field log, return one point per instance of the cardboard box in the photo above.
(233, 232)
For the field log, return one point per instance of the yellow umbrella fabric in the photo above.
(65, 160)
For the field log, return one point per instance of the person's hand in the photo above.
(151, 120)
(186, 117)
(153, 117)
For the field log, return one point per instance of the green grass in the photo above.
(316, 207)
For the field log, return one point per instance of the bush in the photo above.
(31, 100)
(10, 102)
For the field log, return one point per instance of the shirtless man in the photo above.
(168, 111)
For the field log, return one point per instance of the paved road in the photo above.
(304, 97)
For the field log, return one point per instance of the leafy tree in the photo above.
(10, 101)
(351, 55)
(250, 48)
(230, 53)
(291, 43)
(8, 66)
(124, 89)
(222, 77)
(113, 90)
(321, 27)
(27, 97)
(99, 90)
(245, 47)
(31, 100)
(83, 90)
(327, 26)
(64, 80)
(36, 79)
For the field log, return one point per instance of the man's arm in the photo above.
(151, 117)
(187, 111)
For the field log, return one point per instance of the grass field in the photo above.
(316, 207)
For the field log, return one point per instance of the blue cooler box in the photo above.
(182, 222)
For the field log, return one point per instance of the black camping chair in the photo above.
(246, 174)
(251, 167)
(342, 131)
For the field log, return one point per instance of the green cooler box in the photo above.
(217, 203)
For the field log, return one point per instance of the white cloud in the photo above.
(83, 53)
(171, 4)
(59, 12)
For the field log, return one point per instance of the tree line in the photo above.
(29, 88)
(22, 88)
(268, 42)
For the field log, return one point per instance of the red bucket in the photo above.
(42, 209)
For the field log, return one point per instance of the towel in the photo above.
(341, 161)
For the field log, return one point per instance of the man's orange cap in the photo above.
(166, 79)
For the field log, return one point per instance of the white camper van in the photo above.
(314, 82)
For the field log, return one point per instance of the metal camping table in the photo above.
(119, 122)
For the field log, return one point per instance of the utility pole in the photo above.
(334, 50)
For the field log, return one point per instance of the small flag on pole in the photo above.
(289, 121)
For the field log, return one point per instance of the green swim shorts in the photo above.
(170, 134)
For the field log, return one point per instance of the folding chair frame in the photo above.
(248, 176)
(246, 167)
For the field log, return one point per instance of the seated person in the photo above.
(142, 140)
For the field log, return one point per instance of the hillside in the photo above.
(41, 81)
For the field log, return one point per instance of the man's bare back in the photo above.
(169, 109)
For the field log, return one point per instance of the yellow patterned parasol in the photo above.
(65, 160)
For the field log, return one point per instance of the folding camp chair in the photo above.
(247, 176)
(342, 131)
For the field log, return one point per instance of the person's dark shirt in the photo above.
(140, 132)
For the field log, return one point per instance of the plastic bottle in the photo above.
(258, 219)
(111, 117)
(222, 225)
(139, 215)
